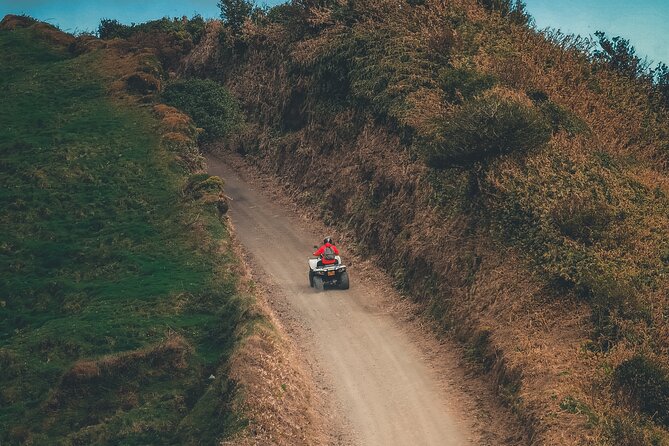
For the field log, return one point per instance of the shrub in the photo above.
(110, 29)
(619, 55)
(192, 29)
(647, 384)
(235, 12)
(626, 431)
(462, 83)
(486, 128)
(207, 102)
(582, 218)
(558, 117)
(284, 14)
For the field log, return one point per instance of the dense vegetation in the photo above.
(549, 149)
(192, 29)
(208, 103)
(171, 39)
(118, 308)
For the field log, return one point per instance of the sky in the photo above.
(644, 22)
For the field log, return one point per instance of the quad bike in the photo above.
(334, 275)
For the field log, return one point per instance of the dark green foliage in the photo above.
(630, 432)
(618, 55)
(111, 29)
(111, 316)
(583, 220)
(209, 104)
(284, 14)
(235, 12)
(647, 384)
(192, 29)
(461, 84)
(661, 83)
(486, 128)
(559, 117)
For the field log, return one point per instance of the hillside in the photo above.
(511, 181)
(126, 316)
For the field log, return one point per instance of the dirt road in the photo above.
(378, 380)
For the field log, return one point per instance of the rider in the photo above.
(323, 251)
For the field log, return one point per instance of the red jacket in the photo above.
(321, 250)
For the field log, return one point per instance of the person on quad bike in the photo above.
(327, 253)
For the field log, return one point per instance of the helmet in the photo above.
(327, 240)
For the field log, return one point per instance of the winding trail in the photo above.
(380, 384)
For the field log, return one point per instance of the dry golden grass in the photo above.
(45, 31)
(11, 21)
(278, 396)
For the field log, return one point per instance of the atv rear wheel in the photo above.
(343, 280)
(318, 283)
(311, 279)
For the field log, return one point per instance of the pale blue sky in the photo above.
(645, 22)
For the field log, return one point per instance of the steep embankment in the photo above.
(122, 302)
(506, 179)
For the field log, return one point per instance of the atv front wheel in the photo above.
(343, 280)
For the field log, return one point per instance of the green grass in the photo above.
(96, 259)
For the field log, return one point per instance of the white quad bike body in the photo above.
(334, 275)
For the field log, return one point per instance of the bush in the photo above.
(235, 12)
(647, 384)
(192, 29)
(486, 128)
(207, 102)
(619, 55)
(559, 117)
(583, 219)
(461, 83)
(110, 29)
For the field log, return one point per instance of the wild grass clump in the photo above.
(647, 384)
(487, 128)
(461, 84)
(209, 104)
(559, 117)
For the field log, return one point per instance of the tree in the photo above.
(620, 56)
(235, 12)
(109, 29)
(661, 81)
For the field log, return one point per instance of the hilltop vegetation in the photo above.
(514, 181)
(119, 302)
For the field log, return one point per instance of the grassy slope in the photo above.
(97, 261)
(551, 259)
